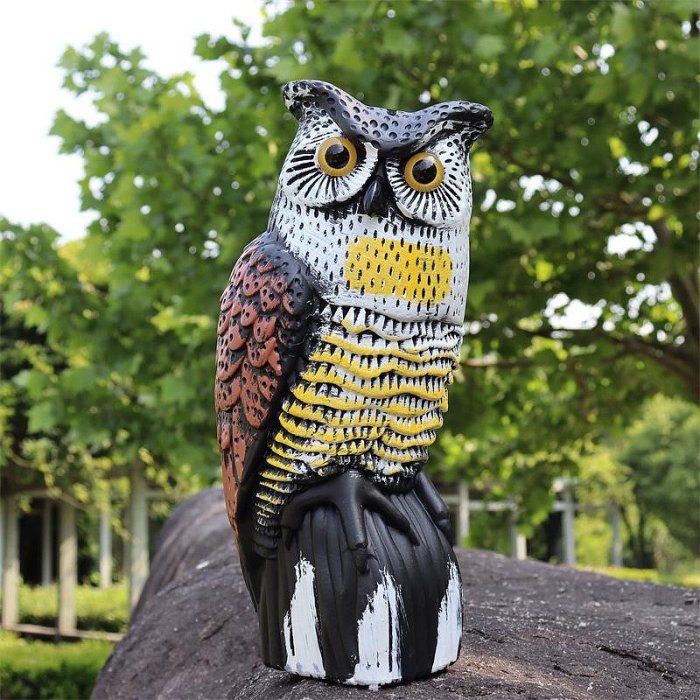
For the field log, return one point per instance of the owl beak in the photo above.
(375, 201)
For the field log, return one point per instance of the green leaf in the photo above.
(601, 90)
(175, 390)
(42, 417)
(543, 270)
(346, 52)
(133, 226)
(622, 24)
(489, 46)
(79, 379)
(536, 230)
(547, 48)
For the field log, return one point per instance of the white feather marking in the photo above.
(449, 631)
(301, 626)
(378, 637)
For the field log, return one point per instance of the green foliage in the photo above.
(489, 530)
(661, 453)
(687, 579)
(594, 144)
(593, 538)
(22, 344)
(30, 669)
(103, 609)
(652, 472)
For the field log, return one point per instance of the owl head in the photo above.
(377, 202)
(347, 153)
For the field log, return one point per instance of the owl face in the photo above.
(377, 202)
(348, 153)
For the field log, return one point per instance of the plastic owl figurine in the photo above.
(339, 332)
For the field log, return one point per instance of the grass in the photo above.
(97, 609)
(32, 669)
(688, 579)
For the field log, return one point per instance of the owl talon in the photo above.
(361, 557)
(430, 498)
(350, 493)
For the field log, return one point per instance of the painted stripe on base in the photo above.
(449, 631)
(301, 626)
(378, 637)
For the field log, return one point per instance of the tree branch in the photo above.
(544, 170)
(675, 359)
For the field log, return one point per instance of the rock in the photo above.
(193, 529)
(531, 630)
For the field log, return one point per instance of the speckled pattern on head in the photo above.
(389, 131)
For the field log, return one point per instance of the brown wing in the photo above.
(265, 314)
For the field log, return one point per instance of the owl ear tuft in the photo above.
(302, 94)
(470, 119)
(299, 93)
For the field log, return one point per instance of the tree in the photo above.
(651, 471)
(143, 393)
(585, 198)
(40, 367)
(661, 454)
(587, 155)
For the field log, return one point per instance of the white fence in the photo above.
(136, 556)
(136, 543)
(564, 504)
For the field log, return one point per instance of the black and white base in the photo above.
(400, 620)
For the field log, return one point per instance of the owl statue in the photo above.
(339, 332)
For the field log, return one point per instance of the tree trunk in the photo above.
(138, 531)
(10, 563)
(67, 567)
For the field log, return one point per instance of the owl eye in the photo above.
(423, 172)
(337, 156)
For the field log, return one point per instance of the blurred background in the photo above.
(573, 432)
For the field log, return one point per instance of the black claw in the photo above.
(393, 515)
(445, 527)
(350, 493)
(430, 498)
(361, 557)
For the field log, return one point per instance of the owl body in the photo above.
(386, 343)
(370, 398)
(338, 337)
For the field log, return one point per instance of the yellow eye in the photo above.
(423, 172)
(337, 156)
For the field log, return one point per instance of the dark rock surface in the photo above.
(531, 631)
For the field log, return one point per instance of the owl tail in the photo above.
(401, 620)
